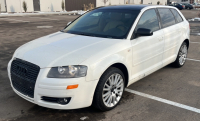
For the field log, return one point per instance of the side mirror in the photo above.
(143, 32)
(69, 23)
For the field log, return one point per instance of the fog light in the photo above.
(63, 101)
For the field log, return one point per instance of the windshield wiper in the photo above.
(86, 34)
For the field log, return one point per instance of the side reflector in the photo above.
(72, 86)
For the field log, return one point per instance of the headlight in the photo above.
(67, 72)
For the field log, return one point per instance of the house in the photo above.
(79, 4)
(55, 5)
(34, 5)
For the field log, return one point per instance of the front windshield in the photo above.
(104, 23)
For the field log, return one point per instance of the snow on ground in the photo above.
(194, 19)
(74, 12)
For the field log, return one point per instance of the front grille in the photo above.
(23, 76)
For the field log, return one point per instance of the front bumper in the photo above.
(54, 87)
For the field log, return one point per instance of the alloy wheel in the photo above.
(113, 90)
(183, 54)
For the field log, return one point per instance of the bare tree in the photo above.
(90, 6)
(85, 7)
(105, 1)
(63, 5)
(25, 6)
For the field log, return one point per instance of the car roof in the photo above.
(125, 7)
(131, 7)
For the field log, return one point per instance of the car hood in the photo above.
(62, 49)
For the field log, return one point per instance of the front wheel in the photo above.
(182, 55)
(109, 89)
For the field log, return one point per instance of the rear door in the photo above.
(171, 35)
(147, 51)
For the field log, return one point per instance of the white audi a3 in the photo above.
(95, 57)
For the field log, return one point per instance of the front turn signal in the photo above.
(72, 86)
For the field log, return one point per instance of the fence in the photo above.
(77, 4)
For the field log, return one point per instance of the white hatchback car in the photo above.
(96, 56)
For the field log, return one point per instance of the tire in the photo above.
(106, 91)
(182, 55)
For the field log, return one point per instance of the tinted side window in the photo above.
(177, 15)
(149, 20)
(167, 18)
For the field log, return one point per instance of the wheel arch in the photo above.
(124, 70)
(187, 42)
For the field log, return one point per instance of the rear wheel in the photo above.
(182, 55)
(109, 90)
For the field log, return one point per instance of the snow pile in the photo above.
(81, 12)
(3, 13)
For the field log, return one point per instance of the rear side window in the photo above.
(177, 15)
(149, 20)
(167, 18)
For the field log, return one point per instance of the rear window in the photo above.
(167, 18)
(177, 15)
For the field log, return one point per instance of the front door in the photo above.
(36, 5)
(147, 51)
